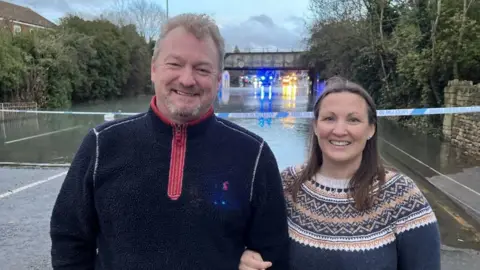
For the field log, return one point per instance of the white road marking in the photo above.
(448, 193)
(43, 134)
(437, 172)
(30, 164)
(11, 192)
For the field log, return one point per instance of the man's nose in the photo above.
(187, 78)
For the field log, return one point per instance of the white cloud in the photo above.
(256, 32)
(262, 32)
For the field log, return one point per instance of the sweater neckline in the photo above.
(161, 125)
(331, 182)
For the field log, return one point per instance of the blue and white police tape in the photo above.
(246, 115)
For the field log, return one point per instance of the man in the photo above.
(175, 187)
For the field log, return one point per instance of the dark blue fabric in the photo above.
(114, 198)
(413, 250)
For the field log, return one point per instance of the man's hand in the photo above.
(251, 260)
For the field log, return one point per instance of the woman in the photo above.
(345, 211)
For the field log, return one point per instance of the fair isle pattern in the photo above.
(326, 218)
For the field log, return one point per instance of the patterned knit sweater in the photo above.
(400, 231)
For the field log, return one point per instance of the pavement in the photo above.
(460, 259)
(440, 165)
(27, 196)
(462, 187)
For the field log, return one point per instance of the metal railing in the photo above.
(6, 115)
(248, 49)
(10, 119)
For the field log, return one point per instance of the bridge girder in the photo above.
(265, 60)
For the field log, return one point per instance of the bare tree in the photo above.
(378, 7)
(147, 16)
(337, 10)
(466, 6)
(437, 9)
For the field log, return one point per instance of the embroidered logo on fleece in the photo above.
(221, 200)
(225, 185)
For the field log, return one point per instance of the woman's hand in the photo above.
(251, 260)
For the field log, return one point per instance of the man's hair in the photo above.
(200, 25)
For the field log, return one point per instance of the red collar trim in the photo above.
(153, 105)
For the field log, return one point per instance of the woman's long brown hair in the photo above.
(370, 168)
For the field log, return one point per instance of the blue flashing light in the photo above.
(221, 202)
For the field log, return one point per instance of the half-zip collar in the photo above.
(179, 132)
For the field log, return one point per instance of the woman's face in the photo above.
(342, 127)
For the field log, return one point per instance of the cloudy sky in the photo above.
(245, 23)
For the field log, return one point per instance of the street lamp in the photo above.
(167, 8)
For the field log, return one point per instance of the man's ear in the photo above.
(219, 77)
(153, 70)
(219, 80)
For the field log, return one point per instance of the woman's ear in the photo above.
(371, 131)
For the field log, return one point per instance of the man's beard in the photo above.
(183, 112)
(187, 111)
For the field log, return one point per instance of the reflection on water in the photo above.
(265, 99)
(54, 138)
(44, 138)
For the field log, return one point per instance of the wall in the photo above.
(11, 26)
(463, 130)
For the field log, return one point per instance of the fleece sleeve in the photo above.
(417, 233)
(268, 233)
(73, 224)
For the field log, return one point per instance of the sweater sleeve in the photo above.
(268, 232)
(418, 236)
(73, 224)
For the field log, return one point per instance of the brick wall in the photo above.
(10, 25)
(463, 130)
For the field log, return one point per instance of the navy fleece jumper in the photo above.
(149, 194)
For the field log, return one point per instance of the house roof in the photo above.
(23, 14)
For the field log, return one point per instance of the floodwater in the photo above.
(54, 139)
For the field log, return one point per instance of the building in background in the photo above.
(21, 19)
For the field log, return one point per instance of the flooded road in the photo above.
(54, 139)
(442, 165)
